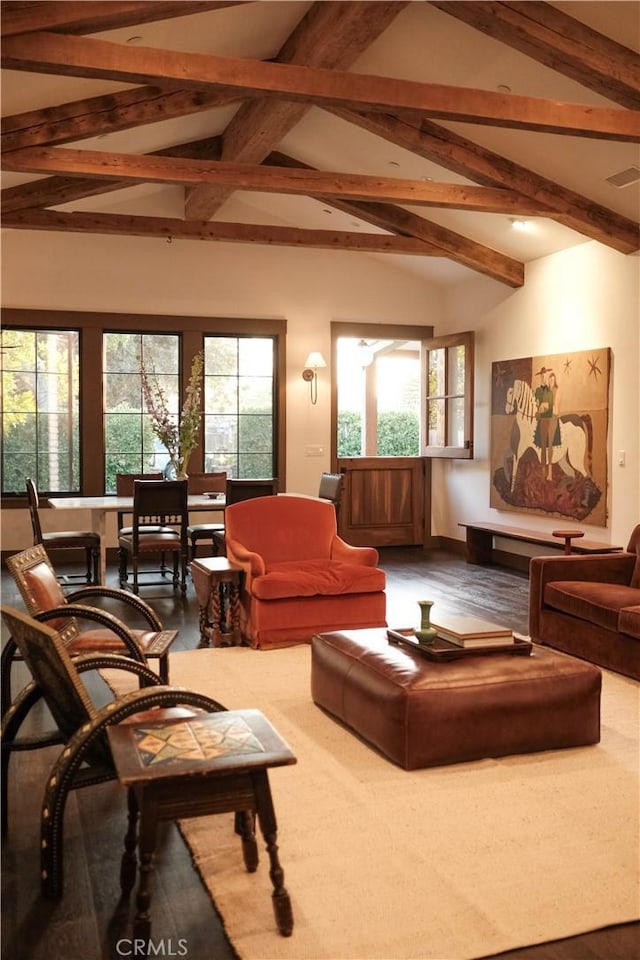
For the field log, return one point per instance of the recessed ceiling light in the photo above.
(521, 225)
(135, 39)
(503, 88)
(393, 163)
(326, 210)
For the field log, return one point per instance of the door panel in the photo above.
(384, 499)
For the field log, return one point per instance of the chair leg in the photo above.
(122, 566)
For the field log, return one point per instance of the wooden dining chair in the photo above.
(244, 489)
(85, 540)
(201, 483)
(160, 520)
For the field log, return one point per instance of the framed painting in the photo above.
(549, 423)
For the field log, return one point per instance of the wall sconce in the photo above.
(312, 364)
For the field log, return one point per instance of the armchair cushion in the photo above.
(630, 621)
(308, 578)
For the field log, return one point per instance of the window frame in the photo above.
(447, 343)
(191, 329)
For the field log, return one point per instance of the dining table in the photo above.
(99, 507)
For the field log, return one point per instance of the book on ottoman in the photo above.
(467, 631)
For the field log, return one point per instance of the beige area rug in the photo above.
(442, 864)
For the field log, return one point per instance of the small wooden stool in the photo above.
(208, 763)
(568, 536)
(217, 586)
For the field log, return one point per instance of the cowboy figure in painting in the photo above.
(547, 432)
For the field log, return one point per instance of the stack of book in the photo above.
(467, 631)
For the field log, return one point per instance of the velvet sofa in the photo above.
(300, 578)
(589, 606)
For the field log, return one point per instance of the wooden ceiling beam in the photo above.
(96, 116)
(87, 16)
(469, 159)
(53, 191)
(87, 57)
(330, 35)
(558, 41)
(452, 245)
(144, 168)
(170, 229)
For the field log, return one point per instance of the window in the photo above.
(40, 410)
(130, 444)
(239, 406)
(448, 406)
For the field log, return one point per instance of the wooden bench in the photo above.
(480, 540)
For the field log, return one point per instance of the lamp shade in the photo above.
(315, 360)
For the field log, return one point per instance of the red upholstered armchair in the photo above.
(300, 577)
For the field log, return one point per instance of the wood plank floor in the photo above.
(90, 922)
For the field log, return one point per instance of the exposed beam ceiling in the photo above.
(310, 69)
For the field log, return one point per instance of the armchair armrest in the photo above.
(252, 563)
(595, 568)
(98, 616)
(363, 556)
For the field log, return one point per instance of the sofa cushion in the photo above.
(599, 603)
(309, 578)
(629, 621)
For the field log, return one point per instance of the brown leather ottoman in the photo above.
(421, 713)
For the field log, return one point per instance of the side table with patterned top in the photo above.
(193, 767)
(217, 586)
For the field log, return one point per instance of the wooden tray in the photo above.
(442, 649)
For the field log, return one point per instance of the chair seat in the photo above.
(103, 640)
(152, 528)
(309, 578)
(205, 529)
(149, 542)
(71, 538)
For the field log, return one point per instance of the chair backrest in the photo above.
(32, 495)
(283, 528)
(239, 490)
(39, 587)
(160, 501)
(331, 488)
(124, 481)
(45, 654)
(207, 482)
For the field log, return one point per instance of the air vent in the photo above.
(625, 177)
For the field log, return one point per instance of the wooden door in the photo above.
(385, 500)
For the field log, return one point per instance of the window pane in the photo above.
(456, 422)
(40, 410)
(131, 446)
(436, 373)
(456, 370)
(436, 424)
(239, 407)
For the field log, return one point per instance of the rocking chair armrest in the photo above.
(122, 596)
(99, 616)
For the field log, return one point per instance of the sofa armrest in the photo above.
(363, 556)
(596, 568)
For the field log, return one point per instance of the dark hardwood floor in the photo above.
(90, 922)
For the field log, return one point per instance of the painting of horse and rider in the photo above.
(549, 422)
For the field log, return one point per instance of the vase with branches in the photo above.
(181, 437)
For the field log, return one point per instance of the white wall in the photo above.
(309, 288)
(582, 298)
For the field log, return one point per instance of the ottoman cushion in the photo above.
(421, 713)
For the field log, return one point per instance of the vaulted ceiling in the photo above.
(419, 131)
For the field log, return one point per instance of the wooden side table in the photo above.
(217, 586)
(568, 536)
(208, 763)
